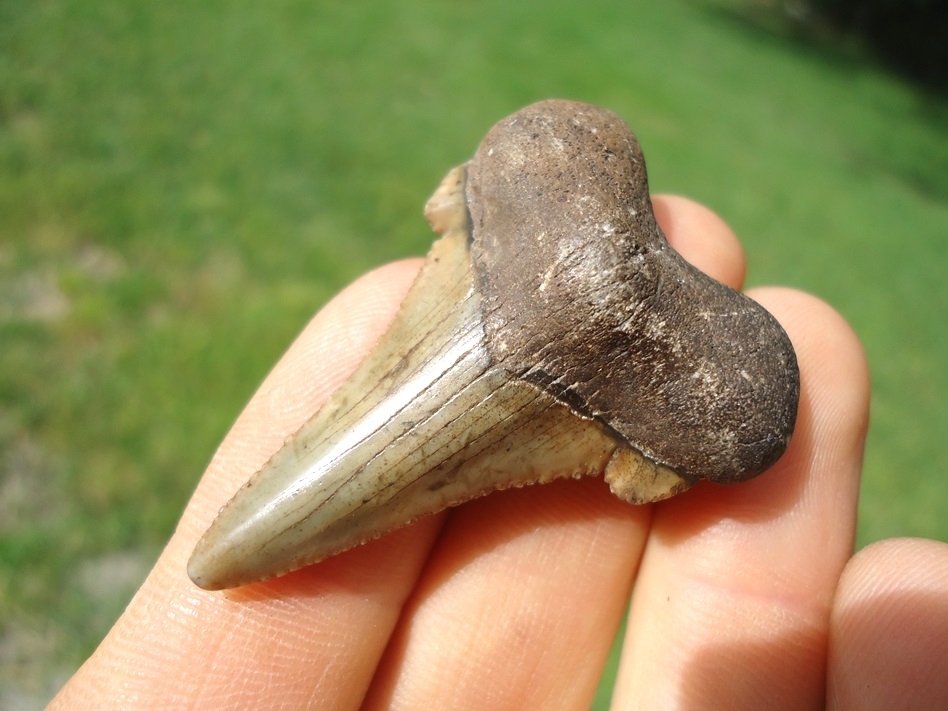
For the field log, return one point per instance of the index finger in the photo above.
(276, 640)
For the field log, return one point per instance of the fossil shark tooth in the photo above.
(551, 332)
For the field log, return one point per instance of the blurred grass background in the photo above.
(182, 185)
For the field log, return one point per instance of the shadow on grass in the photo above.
(905, 157)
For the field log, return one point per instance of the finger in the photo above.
(524, 593)
(731, 606)
(315, 634)
(702, 237)
(889, 629)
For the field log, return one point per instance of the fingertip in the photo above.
(897, 564)
(348, 325)
(834, 371)
(889, 628)
(813, 487)
(701, 237)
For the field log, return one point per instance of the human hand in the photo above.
(742, 597)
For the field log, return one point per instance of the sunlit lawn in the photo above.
(183, 184)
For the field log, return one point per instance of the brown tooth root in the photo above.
(551, 332)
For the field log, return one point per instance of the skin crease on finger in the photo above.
(317, 635)
(744, 576)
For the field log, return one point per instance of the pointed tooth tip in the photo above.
(200, 576)
(204, 568)
(220, 561)
(212, 575)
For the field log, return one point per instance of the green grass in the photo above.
(183, 184)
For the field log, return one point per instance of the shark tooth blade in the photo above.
(298, 481)
(425, 422)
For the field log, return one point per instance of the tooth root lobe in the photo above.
(695, 375)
